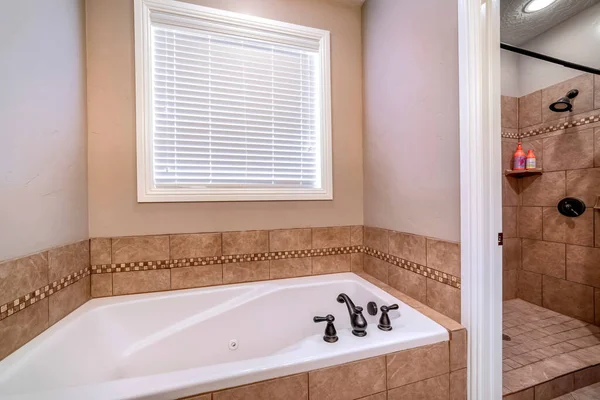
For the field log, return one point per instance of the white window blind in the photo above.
(233, 111)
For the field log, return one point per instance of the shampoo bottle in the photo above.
(531, 163)
(519, 159)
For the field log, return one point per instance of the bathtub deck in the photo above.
(545, 345)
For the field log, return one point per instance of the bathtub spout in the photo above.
(357, 321)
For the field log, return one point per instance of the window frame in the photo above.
(195, 16)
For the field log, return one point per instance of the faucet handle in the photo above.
(330, 332)
(384, 322)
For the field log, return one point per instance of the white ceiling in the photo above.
(518, 27)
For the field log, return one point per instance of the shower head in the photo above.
(564, 103)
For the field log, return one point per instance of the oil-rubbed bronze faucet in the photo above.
(357, 321)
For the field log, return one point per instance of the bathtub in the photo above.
(175, 344)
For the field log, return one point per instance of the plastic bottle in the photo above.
(531, 163)
(519, 159)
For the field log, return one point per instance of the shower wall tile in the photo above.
(377, 239)
(585, 184)
(68, 300)
(510, 191)
(100, 251)
(23, 275)
(558, 228)
(443, 256)
(140, 248)
(195, 245)
(338, 236)
(582, 103)
(65, 260)
(510, 112)
(331, 264)
(583, 265)
(509, 221)
(509, 146)
(597, 146)
(412, 284)
(197, 276)
(537, 145)
(511, 254)
(509, 284)
(290, 239)
(291, 268)
(544, 190)
(530, 222)
(597, 230)
(377, 268)
(530, 109)
(101, 285)
(597, 305)
(141, 282)
(544, 257)
(569, 151)
(568, 298)
(247, 242)
(240, 272)
(409, 247)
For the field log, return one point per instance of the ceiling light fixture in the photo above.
(537, 5)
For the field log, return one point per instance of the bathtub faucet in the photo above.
(358, 322)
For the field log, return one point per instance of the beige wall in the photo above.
(43, 166)
(113, 208)
(411, 127)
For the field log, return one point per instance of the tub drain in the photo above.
(506, 337)
(233, 344)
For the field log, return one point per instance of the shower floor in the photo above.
(544, 345)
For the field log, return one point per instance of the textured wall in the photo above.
(43, 155)
(411, 134)
(113, 207)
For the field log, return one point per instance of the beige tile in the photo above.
(568, 298)
(530, 109)
(23, 326)
(582, 103)
(523, 395)
(458, 385)
(544, 190)
(378, 396)
(588, 356)
(447, 322)
(195, 245)
(511, 254)
(356, 235)
(436, 388)
(409, 247)
(207, 396)
(376, 268)
(530, 222)
(597, 305)
(507, 151)
(584, 184)
(408, 282)
(458, 350)
(597, 230)
(597, 143)
(569, 151)
(509, 222)
(558, 228)
(583, 265)
(443, 256)
(338, 236)
(100, 251)
(510, 112)
(586, 377)
(197, 276)
(331, 264)
(22, 275)
(357, 262)
(510, 191)
(245, 272)
(509, 284)
(290, 268)
(377, 239)
(101, 285)
(596, 91)
(293, 387)
(141, 281)
(417, 364)
(290, 239)
(537, 145)
(65, 260)
(546, 258)
(554, 388)
(444, 298)
(541, 371)
(68, 299)
(248, 242)
(140, 248)
(530, 287)
(348, 381)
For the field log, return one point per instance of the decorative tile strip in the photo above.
(510, 135)
(235, 258)
(12, 307)
(427, 272)
(560, 126)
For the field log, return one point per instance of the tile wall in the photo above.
(552, 260)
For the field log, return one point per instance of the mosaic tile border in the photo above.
(194, 262)
(427, 272)
(14, 306)
(510, 135)
(552, 127)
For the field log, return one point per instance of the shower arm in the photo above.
(544, 57)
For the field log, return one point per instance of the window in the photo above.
(230, 107)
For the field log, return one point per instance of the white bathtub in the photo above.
(175, 344)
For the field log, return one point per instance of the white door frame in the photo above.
(481, 193)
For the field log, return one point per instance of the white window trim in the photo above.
(292, 34)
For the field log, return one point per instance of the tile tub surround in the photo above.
(549, 259)
(550, 354)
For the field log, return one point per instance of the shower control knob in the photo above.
(384, 321)
(330, 332)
